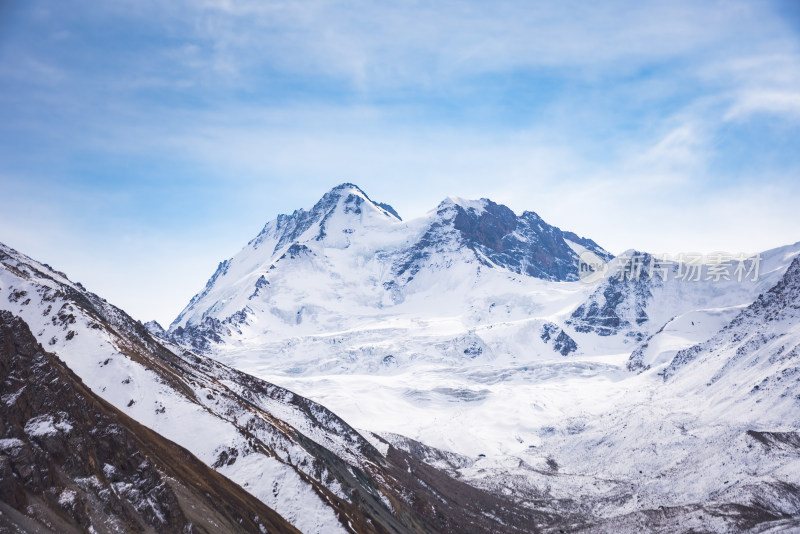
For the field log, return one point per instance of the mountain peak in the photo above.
(355, 195)
(467, 204)
(348, 186)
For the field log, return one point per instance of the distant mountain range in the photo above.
(471, 382)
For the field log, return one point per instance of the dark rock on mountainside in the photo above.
(70, 462)
(523, 244)
(562, 342)
(619, 303)
(200, 336)
(549, 331)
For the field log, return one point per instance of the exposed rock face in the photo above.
(524, 244)
(635, 360)
(562, 342)
(200, 336)
(619, 303)
(70, 462)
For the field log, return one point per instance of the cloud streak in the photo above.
(184, 126)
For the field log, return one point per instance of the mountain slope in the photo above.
(707, 442)
(757, 352)
(641, 293)
(71, 462)
(291, 453)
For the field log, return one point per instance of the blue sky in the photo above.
(142, 142)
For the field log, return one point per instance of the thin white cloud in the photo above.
(387, 44)
(620, 151)
(782, 103)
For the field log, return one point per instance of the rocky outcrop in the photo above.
(619, 303)
(564, 344)
(561, 341)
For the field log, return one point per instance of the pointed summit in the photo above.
(348, 186)
(347, 199)
(353, 198)
(353, 189)
(345, 189)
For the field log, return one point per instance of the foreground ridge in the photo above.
(72, 462)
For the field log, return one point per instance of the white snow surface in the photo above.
(519, 404)
(456, 360)
(47, 425)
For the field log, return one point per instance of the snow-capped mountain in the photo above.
(349, 257)
(291, 454)
(504, 370)
(347, 286)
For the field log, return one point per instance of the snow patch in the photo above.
(47, 425)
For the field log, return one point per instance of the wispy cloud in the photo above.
(184, 126)
(783, 103)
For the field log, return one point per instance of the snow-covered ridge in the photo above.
(349, 257)
(768, 328)
(638, 306)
